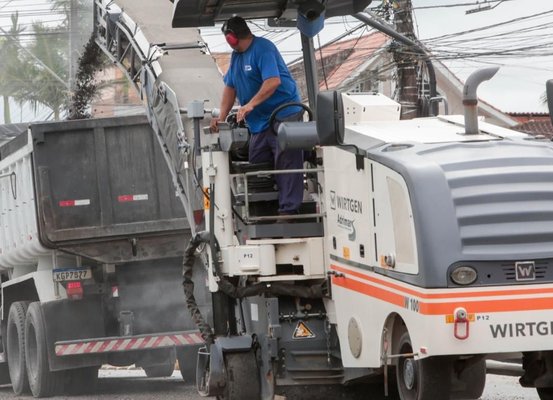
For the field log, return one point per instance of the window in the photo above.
(357, 88)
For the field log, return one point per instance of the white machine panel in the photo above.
(395, 229)
(349, 208)
(363, 107)
(305, 252)
(249, 260)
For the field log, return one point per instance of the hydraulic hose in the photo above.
(188, 284)
(278, 289)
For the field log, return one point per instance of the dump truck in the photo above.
(91, 243)
(423, 248)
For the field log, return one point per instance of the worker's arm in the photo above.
(266, 90)
(229, 96)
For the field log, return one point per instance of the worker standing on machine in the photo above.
(260, 79)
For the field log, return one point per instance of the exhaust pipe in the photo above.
(470, 99)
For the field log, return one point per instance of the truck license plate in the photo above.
(74, 274)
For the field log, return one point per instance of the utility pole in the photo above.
(406, 60)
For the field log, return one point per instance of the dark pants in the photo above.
(264, 148)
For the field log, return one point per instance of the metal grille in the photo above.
(510, 273)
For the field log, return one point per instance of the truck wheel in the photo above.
(242, 377)
(159, 371)
(81, 381)
(42, 381)
(429, 378)
(162, 370)
(16, 347)
(545, 393)
(474, 379)
(187, 358)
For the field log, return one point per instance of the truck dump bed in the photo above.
(100, 188)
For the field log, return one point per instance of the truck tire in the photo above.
(187, 358)
(159, 371)
(545, 393)
(81, 381)
(429, 378)
(242, 377)
(15, 333)
(42, 381)
(162, 370)
(474, 379)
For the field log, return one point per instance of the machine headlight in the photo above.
(464, 275)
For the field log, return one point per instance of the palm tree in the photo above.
(10, 67)
(48, 65)
(38, 73)
(78, 22)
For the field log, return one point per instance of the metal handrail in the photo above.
(248, 218)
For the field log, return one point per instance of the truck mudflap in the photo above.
(128, 343)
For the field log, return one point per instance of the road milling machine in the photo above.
(424, 246)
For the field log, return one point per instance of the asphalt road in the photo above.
(132, 385)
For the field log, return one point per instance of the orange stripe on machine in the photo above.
(474, 301)
(483, 293)
(107, 345)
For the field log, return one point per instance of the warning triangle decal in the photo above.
(302, 331)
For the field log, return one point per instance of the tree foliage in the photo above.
(48, 60)
(36, 73)
(11, 69)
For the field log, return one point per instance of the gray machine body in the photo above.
(488, 204)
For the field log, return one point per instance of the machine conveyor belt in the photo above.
(169, 71)
(192, 74)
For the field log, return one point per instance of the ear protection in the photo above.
(230, 35)
(231, 38)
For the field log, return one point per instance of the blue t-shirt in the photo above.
(246, 74)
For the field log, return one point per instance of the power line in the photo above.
(478, 3)
(449, 35)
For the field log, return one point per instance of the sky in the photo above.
(517, 87)
(522, 49)
(520, 82)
